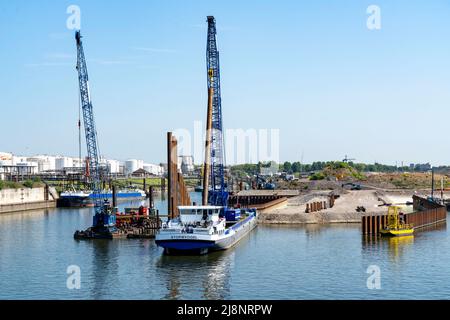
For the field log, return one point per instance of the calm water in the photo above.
(313, 262)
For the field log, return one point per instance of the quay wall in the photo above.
(13, 200)
(426, 213)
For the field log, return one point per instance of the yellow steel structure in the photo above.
(395, 225)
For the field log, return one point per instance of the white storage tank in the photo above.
(153, 169)
(45, 163)
(114, 166)
(131, 166)
(64, 162)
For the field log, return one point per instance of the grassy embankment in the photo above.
(36, 183)
(341, 171)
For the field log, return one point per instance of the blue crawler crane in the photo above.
(104, 222)
(218, 194)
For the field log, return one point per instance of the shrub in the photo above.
(28, 184)
(9, 185)
(37, 180)
(317, 176)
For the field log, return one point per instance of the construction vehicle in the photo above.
(347, 159)
(396, 225)
(353, 186)
(263, 184)
(104, 221)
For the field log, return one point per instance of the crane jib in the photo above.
(102, 217)
(218, 194)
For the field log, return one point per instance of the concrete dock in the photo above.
(24, 199)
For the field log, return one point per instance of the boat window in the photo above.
(210, 212)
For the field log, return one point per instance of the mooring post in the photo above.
(157, 219)
(150, 197)
(114, 196)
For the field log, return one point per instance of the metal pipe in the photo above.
(114, 196)
(150, 195)
(207, 164)
(432, 183)
(169, 174)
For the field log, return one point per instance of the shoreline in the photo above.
(344, 210)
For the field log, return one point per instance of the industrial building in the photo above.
(21, 166)
(186, 163)
(134, 165)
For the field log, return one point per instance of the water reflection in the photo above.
(185, 274)
(397, 246)
(104, 266)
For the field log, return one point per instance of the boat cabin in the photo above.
(191, 215)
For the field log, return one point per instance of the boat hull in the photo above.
(188, 244)
(88, 201)
(397, 233)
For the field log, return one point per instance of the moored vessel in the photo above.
(203, 229)
(82, 199)
(396, 226)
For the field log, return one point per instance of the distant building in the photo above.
(186, 164)
(63, 163)
(4, 156)
(45, 163)
(154, 169)
(133, 165)
(18, 167)
(6, 159)
(164, 167)
(11, 165)
(141, 173)
(113, 166)
(420, 167)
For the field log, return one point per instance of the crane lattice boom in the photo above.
(218, 194)
(102, 216)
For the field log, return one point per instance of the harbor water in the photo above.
(273, 262)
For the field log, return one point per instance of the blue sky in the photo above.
(309, 68)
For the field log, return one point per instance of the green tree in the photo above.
(287, 167)
(296, 167)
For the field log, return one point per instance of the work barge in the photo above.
(425, 213)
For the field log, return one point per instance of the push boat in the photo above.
(199, 230)
(396, 226)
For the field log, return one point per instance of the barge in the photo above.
(83, 199)
(199, 230)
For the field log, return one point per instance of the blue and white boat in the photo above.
(79, 199)
(202, 229)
